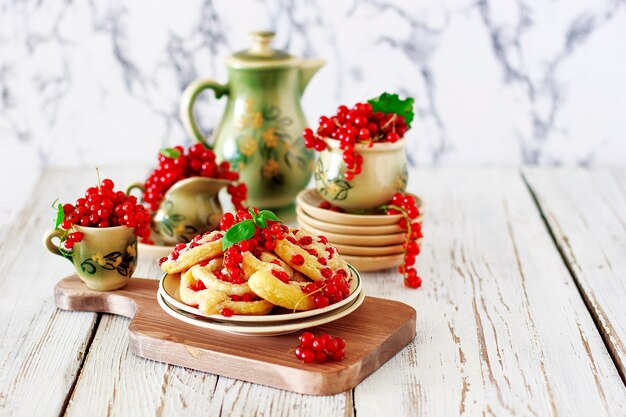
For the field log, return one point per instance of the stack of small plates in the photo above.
(276, 323)
(370, 242)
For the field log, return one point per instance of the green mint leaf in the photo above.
(60, 215)
(391, 103)
(257, 219)
(268, 215)
(261, 222)
(238, 233)
(170, 153)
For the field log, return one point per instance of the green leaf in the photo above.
(256, 218)
(170, 153)
(60, 215)
(261, 222)
(268, 215)
(391, 103)
(238, 233)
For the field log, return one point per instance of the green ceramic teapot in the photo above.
(260, 133)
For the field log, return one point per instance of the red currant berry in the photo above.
(297, 259)
(308, 356)
(306, 339)
(338, 355)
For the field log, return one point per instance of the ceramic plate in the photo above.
(259, 329)
(368, 250)
(350, 230)
(169, 289)
(309, 200)
(155, 251)
(363, 240)
(374, 263)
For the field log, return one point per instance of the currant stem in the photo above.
(408, 232)
(98, 176)
(311, 293)
(391, 120)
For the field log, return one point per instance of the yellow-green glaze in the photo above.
(384, 173)
(189, 208)
(104, 259)
(260, 133)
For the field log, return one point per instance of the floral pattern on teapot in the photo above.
(261, 134)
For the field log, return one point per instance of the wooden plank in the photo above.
(41, 348)
(586, 211)
(501, 327)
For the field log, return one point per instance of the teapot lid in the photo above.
(261, 54)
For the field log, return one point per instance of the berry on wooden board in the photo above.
(319, 349)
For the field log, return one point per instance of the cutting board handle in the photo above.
(71, 294)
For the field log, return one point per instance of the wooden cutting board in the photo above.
(374, 333)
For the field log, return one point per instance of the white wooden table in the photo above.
(522, 313)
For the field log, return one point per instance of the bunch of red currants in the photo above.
(359, 125)
(320, 349)
(176, 164)
(102, 206)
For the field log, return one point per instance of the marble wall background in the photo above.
(497, 83)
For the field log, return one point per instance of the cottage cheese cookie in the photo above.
(288, 295)
(192, 290)
(311, 255)
(212, 300)
(201, 248)
(213, 280)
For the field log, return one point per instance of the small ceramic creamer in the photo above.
(189, 208)
(260, 133)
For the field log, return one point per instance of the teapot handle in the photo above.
(189, 98)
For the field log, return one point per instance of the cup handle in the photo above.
(47, 241)
(135, 186)
(188, 99)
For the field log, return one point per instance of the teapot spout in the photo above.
(308, 68)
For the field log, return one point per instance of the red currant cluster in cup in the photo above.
(320, 349)
(405, 204)
(361, 124)
(176, 164)
(102, 206)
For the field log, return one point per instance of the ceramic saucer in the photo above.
(346, 229)
(355, 250)
(363, 240)
(309, 200)
(374, 263)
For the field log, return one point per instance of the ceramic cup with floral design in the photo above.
(384, 173)
(104, 259)
(190, 207)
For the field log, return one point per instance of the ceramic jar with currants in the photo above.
(362, 162)
(98, 234)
